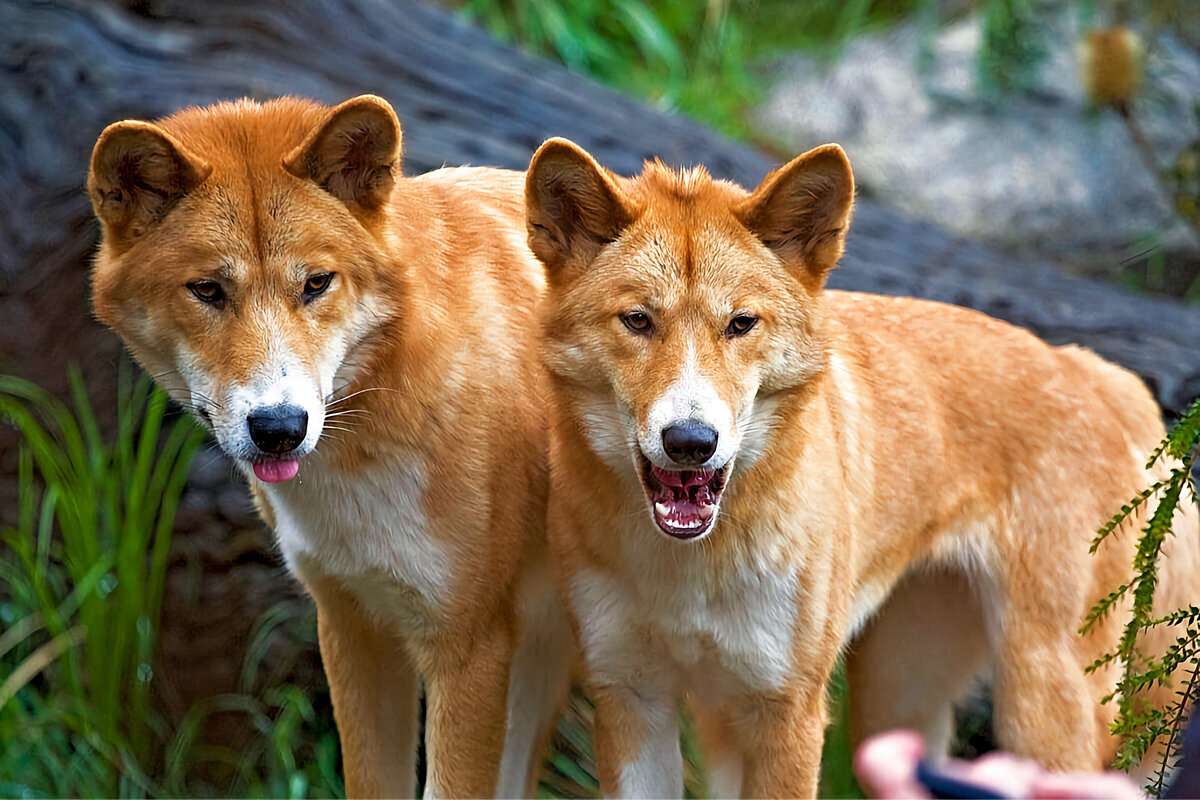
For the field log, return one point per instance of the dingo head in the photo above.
(679, 306)
(242, 261)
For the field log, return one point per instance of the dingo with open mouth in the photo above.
(751, 475)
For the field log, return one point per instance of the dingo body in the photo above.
(749, 471)
(363, 345)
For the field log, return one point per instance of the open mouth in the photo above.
(683, 502)
(276, 469)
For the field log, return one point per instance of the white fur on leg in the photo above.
(658, 769)
(538, 682)
(725, 770)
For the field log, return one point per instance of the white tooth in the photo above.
(706, 511)
(690, 524)
(663, 509)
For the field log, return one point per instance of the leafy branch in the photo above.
(1139, 724)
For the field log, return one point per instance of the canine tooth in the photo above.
(663, 509)
(706, 511)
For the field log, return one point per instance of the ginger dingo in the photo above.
(749, 472)
(364, 347)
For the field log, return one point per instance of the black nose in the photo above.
(279, 429)
(689, 442)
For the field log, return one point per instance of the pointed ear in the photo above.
(352, 152)
(138, 171)
(802, 212)
(573, 206)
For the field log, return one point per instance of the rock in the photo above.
(1035, 170)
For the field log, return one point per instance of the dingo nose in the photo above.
(689, 442)
(279, 429)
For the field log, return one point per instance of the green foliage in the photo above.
(1138, 723)
(292, 749)
(696, 58)
(1010, 50)
(293, 752)
(82, 587)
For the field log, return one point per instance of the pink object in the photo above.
(276, 471)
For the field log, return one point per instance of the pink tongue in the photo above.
(277, 471)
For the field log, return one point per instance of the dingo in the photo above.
(364, 347)
(745, 468)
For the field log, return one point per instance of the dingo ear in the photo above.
(573, 206)
(138, 171)
(802, 211)
(352, 153)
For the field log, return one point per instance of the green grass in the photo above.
(82, 589)
(700, 58)
(82, 574)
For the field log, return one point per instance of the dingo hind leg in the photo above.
(916, 657)
(466, 701)
(1045, 705)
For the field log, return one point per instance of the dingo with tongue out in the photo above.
(354, 339)
(751, 475)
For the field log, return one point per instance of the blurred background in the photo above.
(1036, 159)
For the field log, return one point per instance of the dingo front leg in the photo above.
(374, 687)
(782, 735)
(634, 689)
(722, 752)
(637, 741)
(466, 696)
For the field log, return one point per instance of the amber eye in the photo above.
(316, 285)
(638, 322)
(740, 325)
(209, 292)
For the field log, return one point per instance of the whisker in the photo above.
(356, 394)
(343, 412)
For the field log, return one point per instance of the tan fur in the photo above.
(880, 444)
(417, 522)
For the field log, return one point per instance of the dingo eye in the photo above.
(638, 322)
(316, 285)
(740, 325)
(209, 292)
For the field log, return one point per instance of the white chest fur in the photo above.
(666, 618)
(369, 526)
